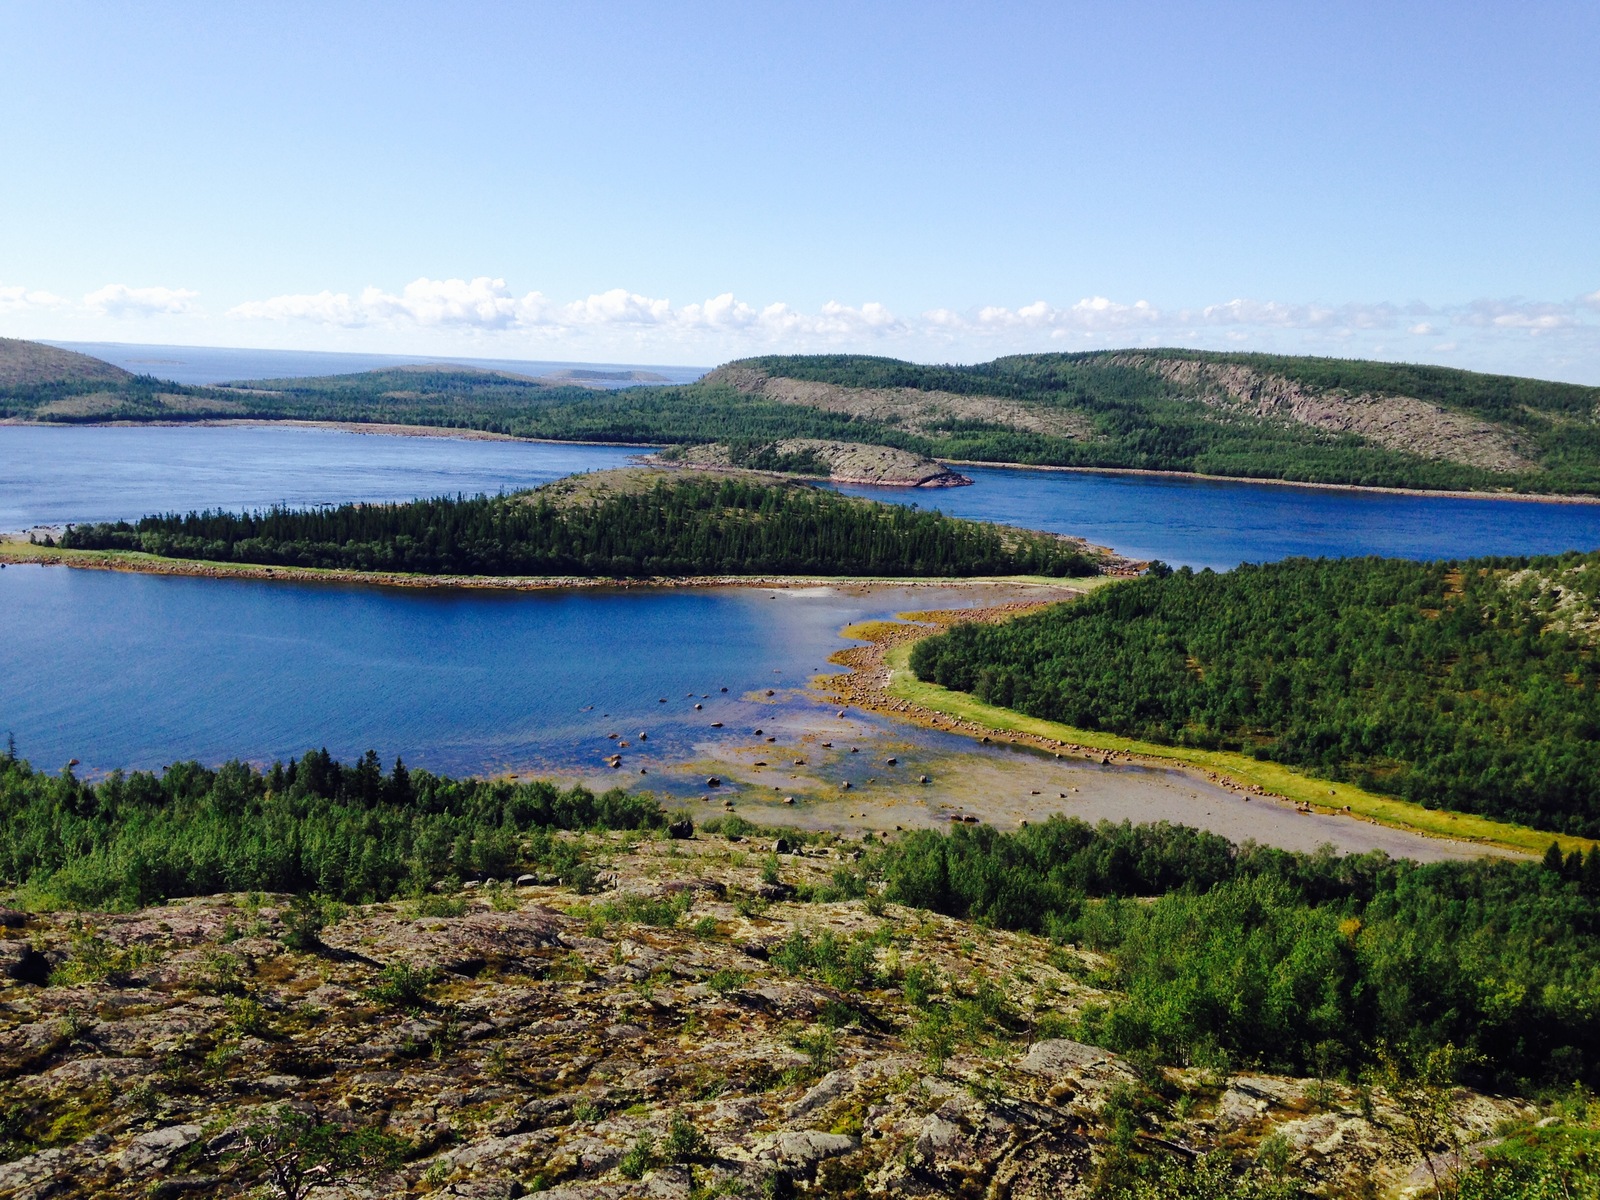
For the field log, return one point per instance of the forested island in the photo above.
(628, 523)
(1130, 1012)
(1258, 416)
(1471, 686)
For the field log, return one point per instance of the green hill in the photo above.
(1314, 420)
(1264, 416)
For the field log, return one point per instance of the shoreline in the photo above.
(870, 683)
(375, 428)
(138, 563)
(389, 429)
(1421, 493)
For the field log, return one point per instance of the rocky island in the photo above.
(839, 462)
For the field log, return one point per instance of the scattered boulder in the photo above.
(154, 1150)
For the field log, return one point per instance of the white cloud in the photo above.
(1536, 316)
(619, 307)
(15, 299)
(1092, 313)
(120, 300)
(489, 305)
(324, 308)
(449, 315)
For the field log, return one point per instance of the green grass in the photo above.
(1272, 777)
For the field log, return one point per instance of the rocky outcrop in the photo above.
(847, 462)
(1401, 423)
(612, 1045)
(911, 409)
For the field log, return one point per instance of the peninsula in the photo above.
(631, 523)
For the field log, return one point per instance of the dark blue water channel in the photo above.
(1206, 523)
(51, 475)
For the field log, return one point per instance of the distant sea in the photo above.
(203, 365)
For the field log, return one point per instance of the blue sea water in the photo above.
(1211, 523)
(50, 474)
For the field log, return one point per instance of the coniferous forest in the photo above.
(1294, 962)
(1471, 685)
(687, 525)
(313, 825)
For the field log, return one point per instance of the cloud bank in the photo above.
(1556, 338)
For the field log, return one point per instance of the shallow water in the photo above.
(125, 670)
(137, 671)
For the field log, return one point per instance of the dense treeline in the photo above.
(1294, 962)
(689, 525)
(312, 825)
(1135, 417)
(1473, 686)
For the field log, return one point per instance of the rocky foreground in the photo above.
(706, 1022)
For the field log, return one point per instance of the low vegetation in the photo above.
(668, 524)
(1471, 686)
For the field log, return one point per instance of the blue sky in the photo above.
(687, 183)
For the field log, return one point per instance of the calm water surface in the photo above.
(50, 475)
(1204, 523)
(122, 670)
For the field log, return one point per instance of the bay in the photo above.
(54, 474)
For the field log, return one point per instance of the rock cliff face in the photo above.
(1394, 422)
(692, 1026)
(911, 409)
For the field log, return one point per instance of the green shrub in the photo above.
(403, 985)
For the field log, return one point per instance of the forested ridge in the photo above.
(681, 525)
(1126, 410)
(1471, 685)
(1302, 963)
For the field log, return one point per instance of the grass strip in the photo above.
(1270, 776)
